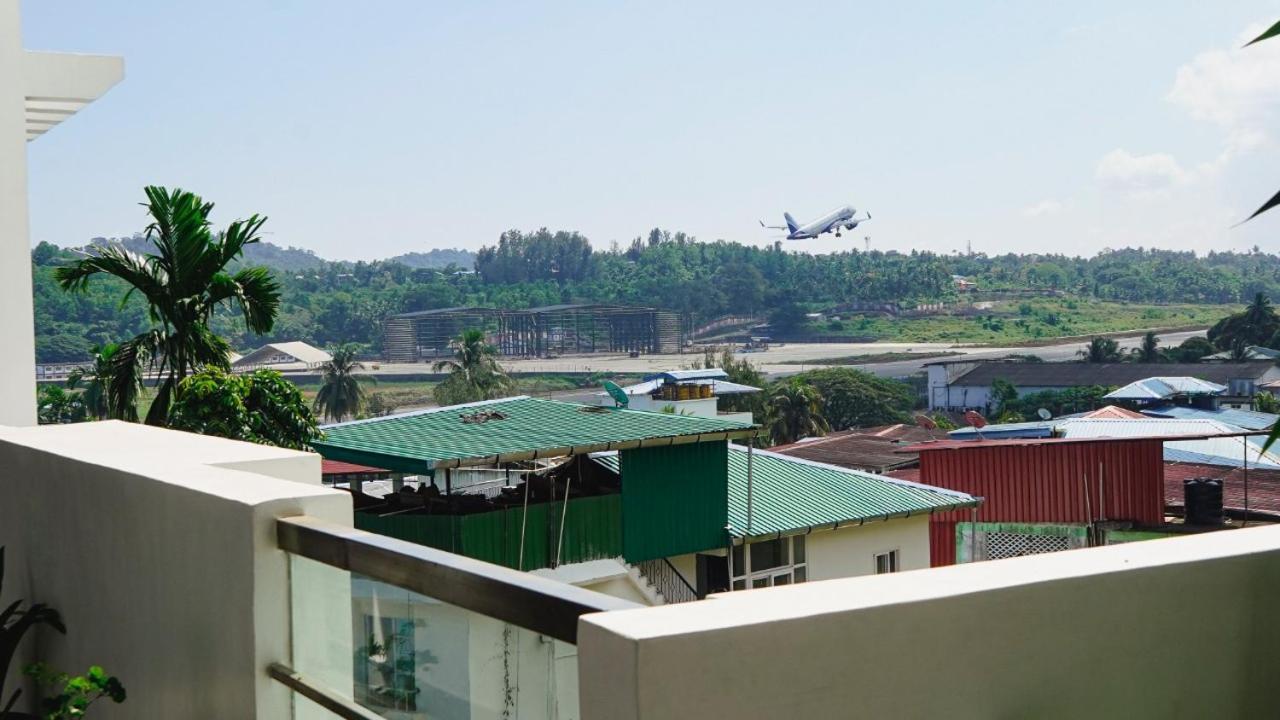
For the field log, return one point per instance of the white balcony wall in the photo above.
(1183, 627)
(159, 549)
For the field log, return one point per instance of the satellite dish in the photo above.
(619, 395)
(926, 422)
(975, 419)
(1044, 414)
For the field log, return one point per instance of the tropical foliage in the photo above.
(794, 411)
(1257, 324)
(94, 382)
(15, 621)
(183, 283)
(261, 407)
(73, 695)
(474, 372)
(342, 394)
(853, 398)
(330, 303)
(1101, 350)
(56, 406)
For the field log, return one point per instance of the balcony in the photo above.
(219, 579)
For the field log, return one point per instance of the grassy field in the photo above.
(1017, 322)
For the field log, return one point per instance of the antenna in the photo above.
(867, 240)
(619, 395)
(1044, 413)
(926, 422)
(969, 247)
(976, 421)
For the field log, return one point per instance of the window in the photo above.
(886, 562)
(769, 563)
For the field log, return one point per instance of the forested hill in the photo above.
(329, 302)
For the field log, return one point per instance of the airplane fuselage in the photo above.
(841, 218)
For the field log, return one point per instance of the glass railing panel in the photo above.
(406, 655)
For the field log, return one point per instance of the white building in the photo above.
(294, 355)
(966, 384)
(684, 392)
(38, 90)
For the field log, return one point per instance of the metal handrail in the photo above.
(320, 695)
(667, 579)
(539, 604)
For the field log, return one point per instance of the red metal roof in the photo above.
(949, 444)
(336, 467)
(1264, 486)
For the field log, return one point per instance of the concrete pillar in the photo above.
(18, 361)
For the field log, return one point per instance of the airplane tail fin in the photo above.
(792, 225)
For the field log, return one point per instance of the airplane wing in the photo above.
(773, 227)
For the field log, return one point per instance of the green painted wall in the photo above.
(675, 499)
(592, 531)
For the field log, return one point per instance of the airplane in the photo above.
(831, 222)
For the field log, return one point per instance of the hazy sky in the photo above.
(367, 129)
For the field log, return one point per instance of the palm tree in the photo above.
(341, 395)
(474, 372)
(1148, 351)
(183, 283)
(95, 383)
(1101, 350)
(794, 411)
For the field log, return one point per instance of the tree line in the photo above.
(330, 303)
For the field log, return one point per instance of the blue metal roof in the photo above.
(1039, 429)
(678, 375)
(1247, 419)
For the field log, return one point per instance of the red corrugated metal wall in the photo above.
(1047, 483)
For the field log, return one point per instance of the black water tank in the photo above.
(1203, 498)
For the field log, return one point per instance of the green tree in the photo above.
(262, 407)
(794, 411)
(1148, 351)
(1101, 350)
(57, 406)
(1190, 350)
(474, 372)
(94, 383)
(853, 398)
(1005, 396)
(341, 392)
(183, 282)
(1257, 324)
(1267, 403)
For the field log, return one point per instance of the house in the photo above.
(793, 520)
(661, 493)
(1246, 495)
(1245, 419)
(1166, 389)
(966, 384)
(294, 355)
(1041, 495)
(1252, 352)
(683, 392)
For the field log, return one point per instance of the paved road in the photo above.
(1050, 353)
(788, 359)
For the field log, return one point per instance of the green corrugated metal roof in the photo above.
(422, 441)
(790, 494)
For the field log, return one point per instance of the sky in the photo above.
(365, 130)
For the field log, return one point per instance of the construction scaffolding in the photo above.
(537, 332)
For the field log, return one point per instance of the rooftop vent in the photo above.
(482, 416)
